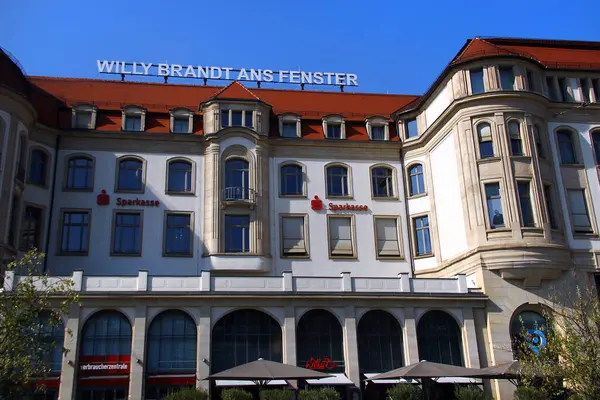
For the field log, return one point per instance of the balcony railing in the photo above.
(242, 194)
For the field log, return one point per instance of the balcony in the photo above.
(239, 196)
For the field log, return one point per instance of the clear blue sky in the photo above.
(394, 46)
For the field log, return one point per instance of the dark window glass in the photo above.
(106, 334)
(236, 118)
(486, 144)
(37, 167)
(334, 131)
(319, 337)
(531, 327)
(133, 123)
(596, 144)
(289, 130)
(237, 233)
(243, 336)
(31, 228)
(224, 118)
(237, 183)
(531, 82)
(422, 237)
(83, 120)
(54, 335)
(131, 175)
(524, 191)
(128, 233)
(494, 205)
(181, 125)
(377, 133)
(337, 181)
(382, 182)
(292, 182)
(248, 122)
(411, 128)
(538, 142)
(585, 90)
(562, 87)
(566, 147)
(178, 234)
(516, 144)
(416, 180)
(439, 340)
(552, 94)
(596, 89)
(97, 393)
(79, 173)
(507, 78)
(550, 206)
(580, 213)
(477, 85)
(180, 177)
(75, 232)
(172, 344)
(14, 221)
(379, 342)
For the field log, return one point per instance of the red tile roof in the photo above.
(479, 48)
(235, 90)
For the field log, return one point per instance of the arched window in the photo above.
(566, 147)
(337, 181)
(237, 179)
(438, 337)
(180, 176)
(486, 144)
(516, 143)
(528, 329)
(291, 180)
(80, 173)
(243, 336)
(106, 334)
(53, 332)
(382, 182)
(417, 181)
(379, 342)
(37, 167)
(130, 175)
(172, 344)
(319, 341)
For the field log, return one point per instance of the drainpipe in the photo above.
(51, 207)
(408, 220)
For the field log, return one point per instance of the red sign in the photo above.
(137, 202)
(317, 205)
(103, 199)
(104, 365)
(320, 364)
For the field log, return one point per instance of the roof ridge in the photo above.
(220, 92)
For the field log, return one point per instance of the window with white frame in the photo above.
(516, 143)
(378, 128)
(416, 182)
(293, 235)
(133, 119)
(83, 116)
(182, 121)
(507, 77)
(341, 241)
(422, 236)
(580, 214)
(387, 237)
(230, 117)
(337, 181)
(334, 127)
(486, 144)
(289, 126)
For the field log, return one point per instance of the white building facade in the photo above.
(205, 227)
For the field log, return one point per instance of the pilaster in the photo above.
(289, 336)
(351, 348)
(138, 353)
(411, 346)
(203, 347)
(470, 339)
(68, 377)
(211, 198)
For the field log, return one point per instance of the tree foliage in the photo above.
(27, 314)
(571, 353)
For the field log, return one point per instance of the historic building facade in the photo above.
(205, 227)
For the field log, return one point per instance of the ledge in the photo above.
(239, 262)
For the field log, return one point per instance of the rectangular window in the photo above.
(31, 228)
(507, 78)
(538, 142)
(14, 222)
(127, 235)
(178, 234)
(524, 192)
(494, 205)
(585, 90)
(596, 146)
(181, 125)
(411, 128)
(566, 147)
(550, 206)
(293, 231)
(422, 237)
(552, 94)
(75, 232)
(531, 82)
(386, 237)
(224, 118)
(596, 89)
(248, 122)
(377, 133)
(289, 130)
(340, 236)
(133, 123)
(236, 118)
(562, 88)
(477, 85)
(83, 120)
(237, 233)
(579, 211)
(334, 131)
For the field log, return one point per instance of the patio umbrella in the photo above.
(427, 369)
(509, 370)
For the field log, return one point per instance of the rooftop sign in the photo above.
(225, 73)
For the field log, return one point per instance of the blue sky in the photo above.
(393, 46)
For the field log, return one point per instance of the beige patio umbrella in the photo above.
(428, 369)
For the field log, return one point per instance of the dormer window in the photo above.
(237, 118)
(182, 120)
(378, 128)
(334, 127)
(134, 119)
(289, 126)
(83, 116)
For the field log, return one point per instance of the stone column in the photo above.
(262, 199)
(68, 376)
(138, 352)
(470, 339)
(212, 191)
(289, 336)
(351, 346)
(203, 348)
(411, 346)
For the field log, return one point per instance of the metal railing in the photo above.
(239, 194)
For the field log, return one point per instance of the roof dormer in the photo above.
(133, 118)
(290, 125)
(83, 116)
(378, 127)
(334, 126)
(182, 120)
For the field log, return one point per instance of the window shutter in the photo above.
(340, 232)
(387, 237)
(293, 235)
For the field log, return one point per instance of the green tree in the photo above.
(33, 304)
(571, 353)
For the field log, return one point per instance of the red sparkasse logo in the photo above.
(317, 205)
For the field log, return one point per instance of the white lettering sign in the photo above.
(244, 74)
(103, 367)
